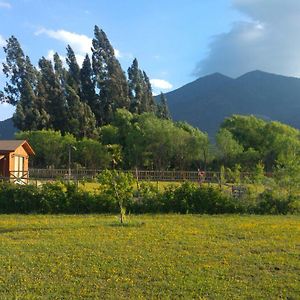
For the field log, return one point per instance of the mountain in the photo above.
(7, 129)
(205, 102)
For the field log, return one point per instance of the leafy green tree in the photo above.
(49, 147)
(118, 186)
(228, 147)
(109, 135)
(92, 154)
(246, 130)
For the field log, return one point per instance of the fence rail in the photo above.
(23, 177)
(142, 175)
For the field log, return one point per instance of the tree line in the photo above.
(144, 141)
(75, 99)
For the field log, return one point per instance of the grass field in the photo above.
(164, 256)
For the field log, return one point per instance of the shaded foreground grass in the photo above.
(163, 256)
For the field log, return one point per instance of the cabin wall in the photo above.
(18, 152)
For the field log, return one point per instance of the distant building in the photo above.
(14, 158)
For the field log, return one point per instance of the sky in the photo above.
(175, 41)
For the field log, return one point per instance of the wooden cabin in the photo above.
(14, 160)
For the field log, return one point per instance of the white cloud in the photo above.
(80, 58)
(5, 4)
(161, 84)
(2, 41)
(268, 41)
(50, 55)
(79, 42)
(118, 54)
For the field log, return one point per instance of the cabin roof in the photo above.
(12, 145)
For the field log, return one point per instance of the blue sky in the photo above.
(168, 37)
(175, 41)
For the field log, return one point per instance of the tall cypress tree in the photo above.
(54, 95)
(88, 93)
(110, 78)
(81, 121)
(140, 90)
(60, 71)
(135, 85)
(148, 102)
(14, 69)
(21, 88)
(73, 78)
(162, 108)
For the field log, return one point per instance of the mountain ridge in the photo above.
(206, 101)
(7, 129)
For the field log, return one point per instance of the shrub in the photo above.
(21, 199)
(117, 193)
(53, 198)
(271, 203)
(147, 199)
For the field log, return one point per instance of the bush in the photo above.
(186, 198)
(21, 199)
(190, 198)
(147, 199)
(271, 203)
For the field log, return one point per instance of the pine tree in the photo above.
(59, 70)
(148, 102)
(21, 88)
(88, 94)
(14, 69)
(109, 76)
(162, 108)
(73, 77)
(135, 85)
(140, 90)
(81, 121)
(53, 95)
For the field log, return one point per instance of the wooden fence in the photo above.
(141, 175)
(22, 177)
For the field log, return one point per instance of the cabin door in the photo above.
(19, 169)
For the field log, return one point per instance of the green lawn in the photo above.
(163, 256)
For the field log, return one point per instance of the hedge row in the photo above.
(187, 198)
